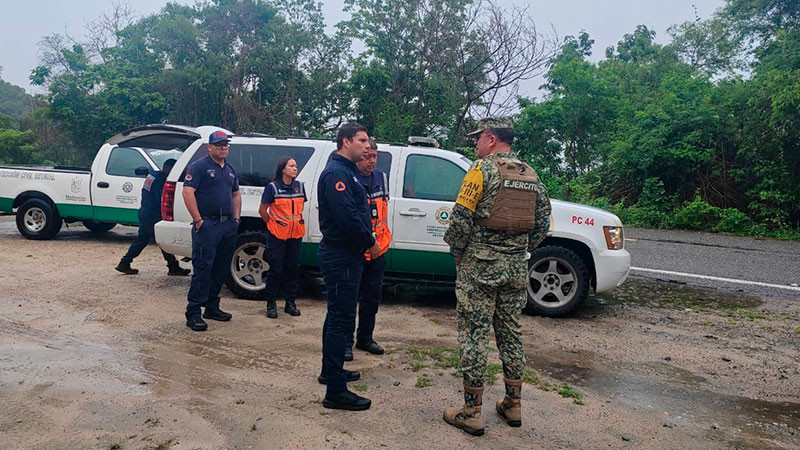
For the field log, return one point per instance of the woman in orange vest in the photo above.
(282, 210)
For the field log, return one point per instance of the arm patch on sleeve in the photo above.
(471, 189)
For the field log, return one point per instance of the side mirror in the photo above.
(141, 171)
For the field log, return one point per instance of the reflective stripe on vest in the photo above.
(286, 214)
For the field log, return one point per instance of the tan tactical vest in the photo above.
(514, 207)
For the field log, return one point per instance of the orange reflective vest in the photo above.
(286, 211)
(378, 199)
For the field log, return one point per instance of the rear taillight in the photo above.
(168, 201)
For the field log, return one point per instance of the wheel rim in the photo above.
(248, 267)
(35, 219)
(552, 282)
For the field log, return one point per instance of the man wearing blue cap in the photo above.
(211, 193)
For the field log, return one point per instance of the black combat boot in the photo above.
(176, 270)
(291, 308)
(272, 309)
(125, 267)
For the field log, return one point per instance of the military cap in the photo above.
(487, 123)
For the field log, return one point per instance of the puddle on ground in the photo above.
(661, 294)
(681, 396)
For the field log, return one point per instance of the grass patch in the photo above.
(492, 370)
(240, 402)
(568, 391)
(361, 387)
(418, 365)
(441, 356)
(797, 330)
(423, 381)
(731, 320)
(531, 377)
(253, 427)
(418, 354)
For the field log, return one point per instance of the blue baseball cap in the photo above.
(218, 136)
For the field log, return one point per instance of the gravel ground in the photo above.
(94, 359)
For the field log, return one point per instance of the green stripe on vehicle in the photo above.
(406, 261)
(6, 204)
(116, 215)
(74, 211)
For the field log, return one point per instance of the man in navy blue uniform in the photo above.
(376, 184)
(149, 215)
(211, 193)
(344, 220)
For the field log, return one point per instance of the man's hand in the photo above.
(375, 250)
(198, 224)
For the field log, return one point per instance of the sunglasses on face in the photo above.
(222, 145)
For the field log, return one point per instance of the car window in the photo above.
(255, 163)
(123, 162)
(432, 178)
(384, 163)
(161, 156)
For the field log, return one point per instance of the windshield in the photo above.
(161, 156)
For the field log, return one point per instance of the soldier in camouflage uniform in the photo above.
(491, 236)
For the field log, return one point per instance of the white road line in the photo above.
(710, 278)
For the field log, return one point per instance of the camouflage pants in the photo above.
(490, 289)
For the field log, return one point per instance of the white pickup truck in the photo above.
(583, 249)
(102, 196)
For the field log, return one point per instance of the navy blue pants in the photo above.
(145, 236)
(369, 299)
(212, 251)
(283, 258)
(341, 271)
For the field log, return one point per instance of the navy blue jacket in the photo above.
(150, 210)
(343, 210)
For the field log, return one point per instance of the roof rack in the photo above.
(283, 138)
(423, 141)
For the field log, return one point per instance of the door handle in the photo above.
(413, 212)
(102, 184)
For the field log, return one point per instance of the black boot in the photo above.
(176, 270)
(272, 309)
(125, 267)
(291, 308)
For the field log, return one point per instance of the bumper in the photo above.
(612, 268)
(174, 237)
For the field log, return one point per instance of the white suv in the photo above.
(583, 249)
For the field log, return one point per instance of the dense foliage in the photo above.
(701, 133)
(676, 135)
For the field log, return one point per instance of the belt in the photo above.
(221, 219)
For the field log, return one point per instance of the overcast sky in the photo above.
(606, 22)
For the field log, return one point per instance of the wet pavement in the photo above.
(711, 368)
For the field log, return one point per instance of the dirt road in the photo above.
(90, 358)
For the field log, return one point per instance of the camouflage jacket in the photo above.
(463, 232)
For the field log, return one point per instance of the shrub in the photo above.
(733, 221)
(697, 215)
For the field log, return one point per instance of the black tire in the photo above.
(248, 269)
(558, 282)
(38, 219)
(98, 227)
